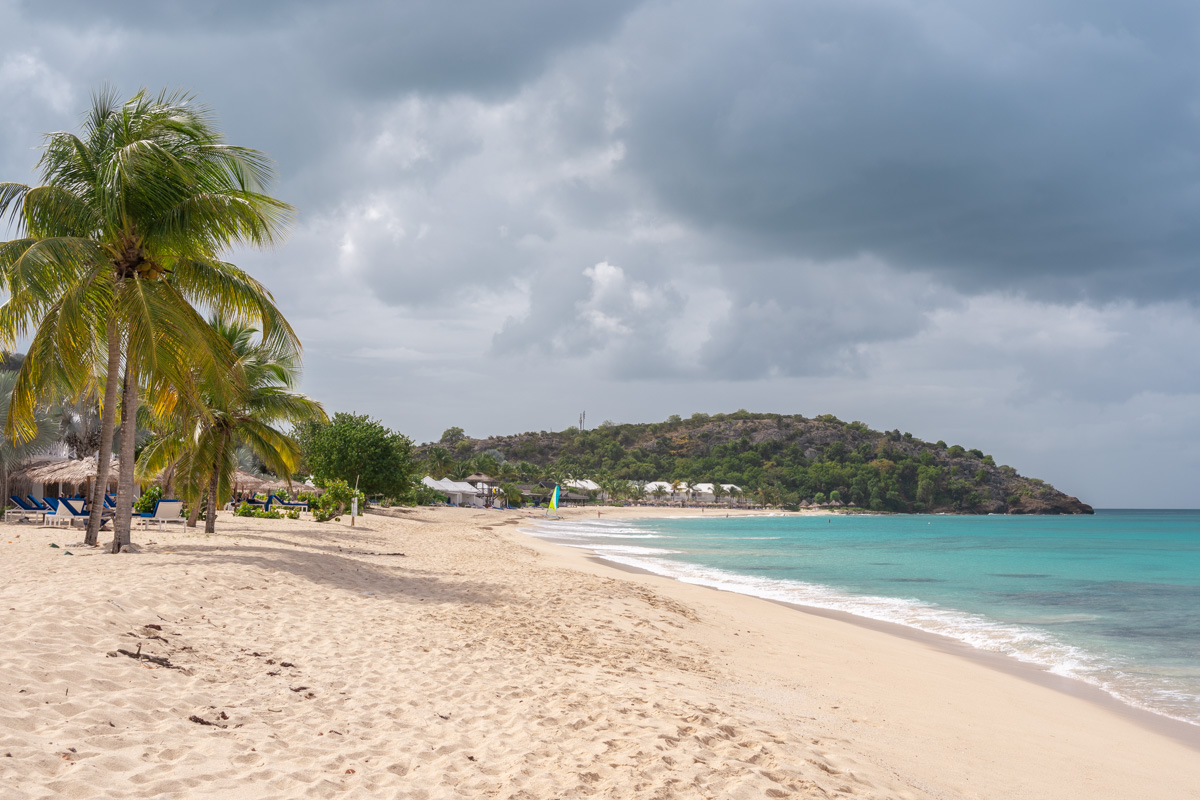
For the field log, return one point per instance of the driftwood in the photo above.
(203, 721)
(139, 656)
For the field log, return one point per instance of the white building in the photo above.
(460, 493)
(706, 493)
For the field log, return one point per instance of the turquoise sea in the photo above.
(1111, 599)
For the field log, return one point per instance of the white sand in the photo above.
(485, 664)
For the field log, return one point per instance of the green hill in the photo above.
(779, 459)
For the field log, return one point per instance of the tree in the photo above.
(243, 404)
(719, 491)
(452, 436)
(356, 448)
(13, 455)
(116, 248)
(439, 462)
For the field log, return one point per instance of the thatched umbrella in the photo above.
(277, 485)
(73, 472)
(245, 482)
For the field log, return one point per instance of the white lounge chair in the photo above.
(164, 511)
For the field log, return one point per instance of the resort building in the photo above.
(706, 492)
(458, 493)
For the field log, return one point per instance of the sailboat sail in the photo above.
(553, 501)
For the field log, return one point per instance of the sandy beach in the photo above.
(441, 653)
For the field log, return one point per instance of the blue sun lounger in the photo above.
(23, 509)
(279, 501)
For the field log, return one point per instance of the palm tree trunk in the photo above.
(210, 517)
(194, 514)
(124, 516)
(108, 418)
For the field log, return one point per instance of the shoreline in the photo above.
(1181, 731)
(440, 653)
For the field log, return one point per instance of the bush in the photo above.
(336, 500)
(292, 513)
(247, 510)
(145, 503)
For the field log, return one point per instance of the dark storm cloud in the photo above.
(365, 47)
(1053, 147)
(956, 219)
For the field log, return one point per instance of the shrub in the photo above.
(247, 510)
(145, 503)
(292, 513)
(336, 500)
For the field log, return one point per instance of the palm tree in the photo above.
(439, 461)
(241, 406)
(659, 492)
(718, 492)
(734, 495)
(13, 455)
(508, 472)
(117, 246)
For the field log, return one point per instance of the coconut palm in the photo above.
(242, 406)
(117, 247)
(439, 462)
(13, 455)
(659, 492)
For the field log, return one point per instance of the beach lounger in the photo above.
(57, 513)
(277, 500)
(164, 511)
(265, 505)
(24, 509)
(72, 509)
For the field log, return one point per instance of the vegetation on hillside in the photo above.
(776, 459)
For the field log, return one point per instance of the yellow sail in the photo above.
(553, 500)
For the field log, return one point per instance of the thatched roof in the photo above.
(245, 481)
(78, 471)
(75, 471)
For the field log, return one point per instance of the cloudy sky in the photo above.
(977, 222)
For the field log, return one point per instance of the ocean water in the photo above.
(1111, 599)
